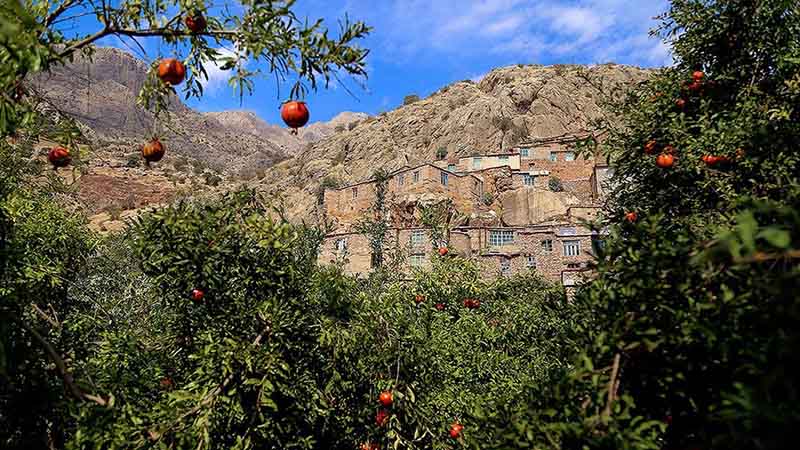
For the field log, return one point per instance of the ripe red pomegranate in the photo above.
(196, 23)
(167, 383)
(650, 147)
(419, 298)
(698, 75)
(680, 103)
(440, 306)
(443, 251)
(295, 114)
(381, 417)
(386, 398)
(695, 86)
(455, 430)
(631, 216)
(171, 71)
(471, 303)
(197, 295)
(153, 151)
(59, 157)
(665, 160)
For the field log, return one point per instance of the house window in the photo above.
(476, 163)
(401, 179)
(355, 193)
(527, 179)
(501, 237)
(572, 248)
(505, 266)
(568, 231)
(503, 159)
(417, 237)
(444, 178)
(416, 260)
(524, 152)
(553, 156)
(569, 156)
(374, 261)
(451, 167)
(547, 245)
(341, 245)
(416, 176)
(573, 266)
(531, 262)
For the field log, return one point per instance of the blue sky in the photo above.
(418, 46)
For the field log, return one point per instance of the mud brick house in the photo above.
(510, 217)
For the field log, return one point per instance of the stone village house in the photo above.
(513, 218)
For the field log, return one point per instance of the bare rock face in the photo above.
(508, 106)
(528, 205)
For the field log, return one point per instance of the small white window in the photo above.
(401, 179)
(341, 245)
(417, 237)
(524, 152)
(444, 178)
(527, 179)
(503, 159)
(505, 266)
(476, 163)
(501, 237)
(572, 248)
(355, 193)
(451, 167)
(547, 245)
(531, 262)
(553, 156)
(416, 176)
(416, 260)
(569, 156)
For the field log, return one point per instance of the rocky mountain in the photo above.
(101, 93)
(248, 122)
(508, 106)
(203, 149)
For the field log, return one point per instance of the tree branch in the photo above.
(612, 387)
(57, 12)
(69, 382)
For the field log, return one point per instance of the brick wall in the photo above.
(467, 164)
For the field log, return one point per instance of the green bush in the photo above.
(555, 184)
(409, 99)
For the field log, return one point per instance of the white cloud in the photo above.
(217, 78)
(574, 30)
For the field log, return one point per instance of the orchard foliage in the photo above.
(694, 311)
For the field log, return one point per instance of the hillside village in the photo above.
(520, 210)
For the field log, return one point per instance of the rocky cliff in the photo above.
(508, 106)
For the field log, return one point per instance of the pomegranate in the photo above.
(419, 298)
(440, 306)
(680, 103)
(665, 160)
(381, 417)
(455, 430)
(386, 398)
(153, 151)
(295, 114)
(631, 216)
(443, 251)
(171, 71)
(59, 157)
(196, 23)
(698, 75)
(650, 147)
(197, 295)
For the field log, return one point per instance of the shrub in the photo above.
(441, 153)
(555, 184)
(409, 99)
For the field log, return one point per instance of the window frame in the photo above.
(505, 266)
(569, 156)
(420, 260)
(553, 156)
(401, 179)
(476, 162)
(415, 176)
(499, 238)
(526, 177)
(569, 244)
(417, 237)
(341, 248)
(355, 192)
(530, 262)
(547, 245)
(451, 167)
(444, 178)
(524, 152)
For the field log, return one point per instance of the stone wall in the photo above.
(491, 161)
